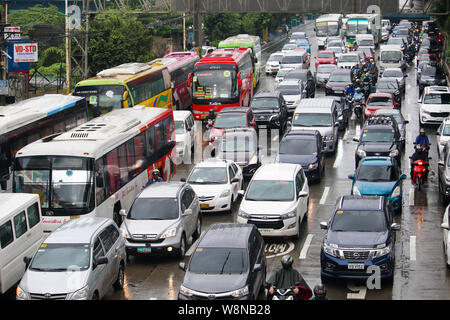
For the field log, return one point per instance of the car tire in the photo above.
(231, 205)
(324, 279)
(198, 229)
(95, 296)
(182, 250)
(118, 285)
(297, 235)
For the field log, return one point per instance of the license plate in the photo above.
(339, 91)
(265, 230)
(204, 206)
(263, 126)
(355, 266)
(144, 250)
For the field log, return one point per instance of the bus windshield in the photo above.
(105, 97)
(213, 84)
(64, 184)
(357, 27)
(325, 29)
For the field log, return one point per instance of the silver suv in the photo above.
(78, 261)
(162, 219)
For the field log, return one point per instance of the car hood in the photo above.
(377, 146)
(435, 107)
(214, 283)
(350, 239)
(269, 208)
(209, 190)
(292, 97)
(216, 132)
(237, 157)
(376, 188)
(373, 108)
(147, 226)
(324, 60)
(431, 78)
(337, 85)
(53, 282)
(264, 112)
(273, 63)
(302, 160)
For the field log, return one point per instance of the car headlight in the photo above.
(361, 153)
(313, 166)
(356, 191)
(396, 192)
(21, 294)
(253, 160)
(381, 252)
(298, 101)
(329, 138)
(81, 294)
(240, 292)
(443, 81)
(289, 215)
(125, 233)
(243, 214)
(186, 291)
(225, 193)
(425, 111)
(393, 153)
(332, 250)
(169, 233)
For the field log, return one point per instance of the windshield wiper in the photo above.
(225, 262)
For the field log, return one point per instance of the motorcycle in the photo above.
(357, 105)
(366, 89)
(420, 171)
(305, 293)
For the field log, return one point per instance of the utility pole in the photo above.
(68, 53)
(4, 49)
(184, 31)
(198, 34)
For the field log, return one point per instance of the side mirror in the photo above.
(123, 212)
(324, 225)
(402, 176)
(182, 266)
(27, 261)
(99, 182)
(438, 133)
(406, 121)
(441, 163)
(183, 179)
(99, 261)
(257, 267)
(444, 226)
(125, 96)
(241, 192)
(356, 139)
(351, 176)
(395, 226)
(302, 194)
(336, 123)
(256, 60)
(406, 76)
(234, 180)
(187, 212)
(188, 82)
(239, 79)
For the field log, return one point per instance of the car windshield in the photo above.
(392, 74)
(378, 136)
(296, 75)
(275, 57)
(379, 101)
(61, 257)
(312, 120)
(237, 144)
(154, 209)
(260, 190)
(359, 221)
(334, 44)
(390, 56)
(325, 55)
(287, 90)
(402, 32)
(289, 46)
(208, 175)
(340, 77)
(298, 147)
(302, 42)
(179, 127)
(336, 49)
(440, 98)
(219, 261)
(230, 120)
(432, 71)
(387, 85)
(325, 68)
(283, 72)
(265, 103)
(395, 41)
(376, 173)
(292, 59)
(367, 51)
(365, 42)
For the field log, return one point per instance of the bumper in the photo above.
(332, 267)
(216, 204)
(267, 124)
(165, 246)
(330, 146)
(312, 174)
(286, 228)
(331, 92)
(186, 298)
(428, 118)
(272, 70)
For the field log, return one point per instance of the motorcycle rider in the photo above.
(156, 177)
(411, 51)
(210, 118)
(419, 154)
(422, 139)
(287, 277)
(367, 80)
(373, 68)
(320, 293)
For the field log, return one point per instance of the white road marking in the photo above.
(412, 248)
(411, 196)
(324, 195)
(274, 248)
(193, 246)
(153, 298)
(345, 135)
(409, 117)
(306, 247)
(358, 130)
(336, 162)
(361, 292)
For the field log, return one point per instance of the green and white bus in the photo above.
(362, 24)
(247, 41)
(328, 25)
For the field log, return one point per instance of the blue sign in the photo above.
(16, 66)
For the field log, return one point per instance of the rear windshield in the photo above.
(219, 261)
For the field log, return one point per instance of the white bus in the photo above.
(26, 121)
(328, 25)
(362, 24)
(99, 167)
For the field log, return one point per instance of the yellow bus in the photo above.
(127, 85)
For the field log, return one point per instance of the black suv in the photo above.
(338, 81)
(270, 111)
(228, 263)
(431, 76)
(360, 234)
(304, 147)
(308, 79)
(380, 136)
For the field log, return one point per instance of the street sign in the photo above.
(25, 52)
(11, 33)
(4, 88)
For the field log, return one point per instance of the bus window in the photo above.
(123, 167)
(139, 152)
(112, 164)
(100, 194)
(131, 160)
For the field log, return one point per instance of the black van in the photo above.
(228, 263)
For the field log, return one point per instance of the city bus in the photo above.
(127, 85)
(98, 168)
(247, 41)
(328, 25)
(180, 65)
(362, 24)
(29, 120)
(222, 79)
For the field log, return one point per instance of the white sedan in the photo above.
(216, 183)
(445, 230)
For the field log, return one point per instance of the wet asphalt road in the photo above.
(420, 270)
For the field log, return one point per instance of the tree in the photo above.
(117, 39)
(27, 19)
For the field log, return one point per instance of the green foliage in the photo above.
(38, 14)
(51, 56)
(117, 39)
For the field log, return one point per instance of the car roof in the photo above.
(380, 94)
(181, 114)
(353, 202)
(289, 82)
(213, 163)
(393, 68)
(12, 201)
(295, 53)
(162, 190)
(317, 103)
(226, 235)
(298, 71)
(267, 94)
(341, 70)
(312, 134)
(234, 110)
(77, 230)
(276, 172)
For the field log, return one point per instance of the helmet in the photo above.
(211, 110)
(422, 130)
(155, 172)
(358, 89)
(320, 291)
(287, 261)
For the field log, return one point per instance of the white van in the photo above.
(21, 234)
(184, 134)
(391, 57)
(365, 40)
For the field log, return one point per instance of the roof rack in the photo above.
(375, 119)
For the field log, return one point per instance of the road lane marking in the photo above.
(306, 247)
(358, 131)
(152, 298)
(360, 292)
(324, 195)
(409, 117)
(412, 248)
(193, 246)
(345, 135)
(411, 196)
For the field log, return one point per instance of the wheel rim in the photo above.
(199, 227)
(121, 277)
(183, 246)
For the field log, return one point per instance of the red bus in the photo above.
(180, 65)
(222, 79)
